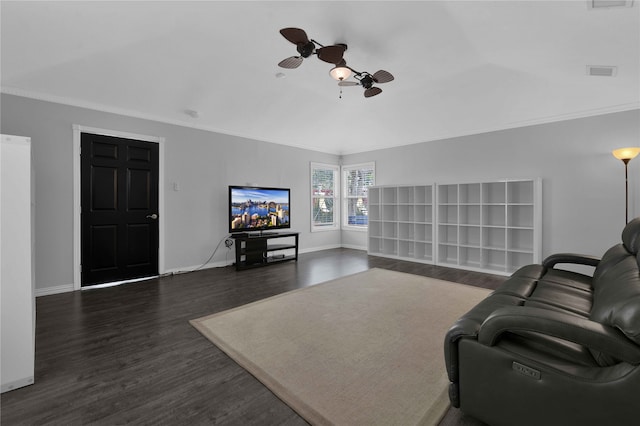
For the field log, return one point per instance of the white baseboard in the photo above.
(25, 381)
(312, 249)
(352, 247)
(46, 291)
(185, 269)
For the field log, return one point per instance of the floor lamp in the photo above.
(626, 155)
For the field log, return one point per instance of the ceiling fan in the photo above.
(367, 80)
(307, 47)
(333, 55)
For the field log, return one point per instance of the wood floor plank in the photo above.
(127, 354)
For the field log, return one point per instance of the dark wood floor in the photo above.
(127, 354)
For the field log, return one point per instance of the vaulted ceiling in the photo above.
(460, 67)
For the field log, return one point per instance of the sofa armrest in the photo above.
(568, 327)
(579, 259)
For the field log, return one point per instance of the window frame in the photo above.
(335, 226)
(347, 168)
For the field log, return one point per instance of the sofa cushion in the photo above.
(616, 288)
(631, 236)
(616, 297)
(568, 278)
(566, 297)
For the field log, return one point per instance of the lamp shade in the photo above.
(628, 153)
(340, 73)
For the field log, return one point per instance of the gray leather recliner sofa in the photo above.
(552, 346)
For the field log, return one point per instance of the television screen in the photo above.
(258, 209)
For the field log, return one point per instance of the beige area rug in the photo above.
(366, 349)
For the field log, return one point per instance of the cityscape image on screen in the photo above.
(255, 209)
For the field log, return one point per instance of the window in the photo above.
(356, 182)
(324, 196)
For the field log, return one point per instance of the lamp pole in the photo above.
(626, 155)
(626, 189)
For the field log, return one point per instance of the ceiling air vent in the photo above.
(605, 4)
(602, 70)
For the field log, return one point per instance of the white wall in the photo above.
(203, 163)
(583, 184)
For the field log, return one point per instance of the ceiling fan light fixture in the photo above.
(340, 73)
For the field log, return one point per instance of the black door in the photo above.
(119, 209)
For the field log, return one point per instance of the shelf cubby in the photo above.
(389, 212)
(448, 214)
(405, 212)
(405, 248)
(448, 254)
(494, 215)
(469, 214)
(520, 240)
(375, 228)
(374, 196)
(423, 194)
(520, 216)
(447, 194)
(390, 195)
(470, 236)
(516, 260)
(520, 192)
(494, 260)
(390, 246)
(390, 229)
(375, 244)
(405, 231)
(423, 232)
(470, 257)
(405, 195)
(494, 238)
(374, 212)
(470, 193)
(448, 234)
(424, 251)
(494, 193)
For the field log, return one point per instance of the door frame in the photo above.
(77, 233)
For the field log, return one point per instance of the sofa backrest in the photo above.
(616, 285)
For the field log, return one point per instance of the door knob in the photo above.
(152, 216)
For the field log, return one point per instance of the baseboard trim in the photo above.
(313, 249)
(193, 268)
(352, 247)
(46, 291)
(20, 383)
(186, 269)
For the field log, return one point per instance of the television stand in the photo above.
(258, 249)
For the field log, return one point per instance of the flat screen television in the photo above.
(258, 208)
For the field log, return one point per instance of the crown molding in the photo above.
(144, 116)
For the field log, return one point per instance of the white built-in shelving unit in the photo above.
(401, 222)
(484, 226)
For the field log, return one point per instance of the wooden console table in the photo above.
(254, 250)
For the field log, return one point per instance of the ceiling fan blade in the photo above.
(382, 76)
(292, 62)
(331, 54)
(372, 92)
(295, 35)
(347, 83)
